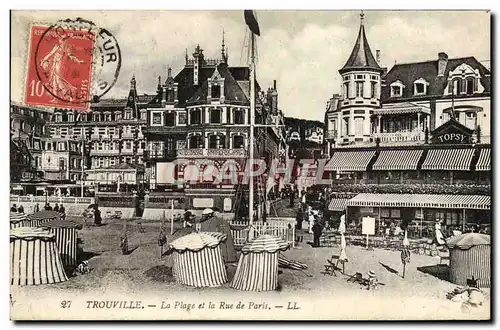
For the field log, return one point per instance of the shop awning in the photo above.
(478, 202)
(397, 160)
(484, 161)
(337, 204)
(349, 161)
(448, 159)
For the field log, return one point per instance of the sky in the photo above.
(301, 50)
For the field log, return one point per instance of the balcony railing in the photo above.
(127, 135)
(221, 153)
(104, 152)
(401, 136)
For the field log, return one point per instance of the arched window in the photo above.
(195, 141)
(195, 117)
(469, 85)
(457, 86)
(215, 141)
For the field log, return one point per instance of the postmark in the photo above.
(70, 64)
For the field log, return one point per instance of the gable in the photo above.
(452, 132)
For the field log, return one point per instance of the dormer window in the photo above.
(420, 87)
(215, 92)
(170, 119)
(464, 80)
(128, 114)
(397, 89)
(170, 95)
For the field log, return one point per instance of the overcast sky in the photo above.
(302, 50)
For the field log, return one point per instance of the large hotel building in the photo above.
(411, 143)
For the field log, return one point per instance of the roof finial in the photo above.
(223, 46)
(362, 17)
(187, 56)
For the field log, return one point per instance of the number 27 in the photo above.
(66, 304)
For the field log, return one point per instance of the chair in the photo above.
(330, 267)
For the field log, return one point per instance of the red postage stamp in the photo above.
(59, 70)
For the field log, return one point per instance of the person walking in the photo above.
(317, 229)
(97, 216)
(37, 207)
(62, 210)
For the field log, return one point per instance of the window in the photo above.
(239, 116)
(359, 89)
(419, 88)
(374, 78)
(215, 92)
(346, 90)
(396, 91)
(457, 86)
(469, 86)
(118, 115)
(170, 119)
(128, 114)
(358, 125)
(215, 116)
(470, 120)
(374, 90)
(360, 76)
(195, 141)
(99, 146)
(128, 145)
(195, 117)
(170, 95)
(144, 115)
(182, 118)
(215, 142)
(346, 77)
(169, 144)
(238, 142)
(345, 128)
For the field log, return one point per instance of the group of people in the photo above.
(47, 207)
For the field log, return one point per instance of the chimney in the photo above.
(274, 84)
(377, 56)
(334, 102)
(442, 62)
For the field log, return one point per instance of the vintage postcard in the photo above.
(250, 165)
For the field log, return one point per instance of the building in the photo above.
(27, 137)
(422, 130)
(202, 115)
(111, 132)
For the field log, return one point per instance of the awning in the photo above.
(402, 109)
(337, 204)
(349, 161)
(484, 161)
(397, 160)
(448, 159)
(478, 202)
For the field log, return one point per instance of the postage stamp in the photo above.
(70, 63)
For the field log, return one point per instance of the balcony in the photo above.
(216, 153)
(127, 152)
(413, 136)
(104, 152)
(127, 135)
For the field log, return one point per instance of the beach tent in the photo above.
(258, 265)
(38, 218)
(198, 260)
(66, 239)
(34, 258)
(17, 219)
(470, 255)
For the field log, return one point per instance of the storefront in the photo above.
(456, 212)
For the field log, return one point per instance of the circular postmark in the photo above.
(76, 61)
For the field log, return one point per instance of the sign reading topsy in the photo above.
(70, 63)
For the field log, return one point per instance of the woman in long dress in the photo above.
(343, 245)
(212, 223)
(438, 233)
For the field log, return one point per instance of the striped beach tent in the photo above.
(66, 239)
(470, 255)
(17, 219)
(198, 260)
(258, 265)
(34, 258)
(38, 218)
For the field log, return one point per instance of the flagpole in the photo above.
(251, 140)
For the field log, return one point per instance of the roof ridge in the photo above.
(429, 61)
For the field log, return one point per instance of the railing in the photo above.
(127, 135)
(52, 199)
(401, 136)
(222, 153)
(104, 152)
(283, 229)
